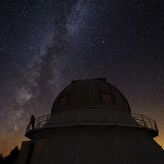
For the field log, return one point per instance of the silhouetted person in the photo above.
(32, 122)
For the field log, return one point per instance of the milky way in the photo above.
(44, 45)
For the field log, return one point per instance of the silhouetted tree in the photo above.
(1, 159)
(12, 156)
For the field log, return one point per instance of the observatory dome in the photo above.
(90, 94)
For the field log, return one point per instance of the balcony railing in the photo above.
(98, 118)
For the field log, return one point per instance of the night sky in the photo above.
(45, 44)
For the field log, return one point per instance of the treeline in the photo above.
(10, 159)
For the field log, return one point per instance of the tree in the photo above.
(1, 158)
(12, 156)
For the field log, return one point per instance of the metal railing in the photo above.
(98, 118)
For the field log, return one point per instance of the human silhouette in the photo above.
(32, 122)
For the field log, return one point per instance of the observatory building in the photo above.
(91, 123)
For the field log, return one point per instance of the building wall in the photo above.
(25, 153)
(97, 145)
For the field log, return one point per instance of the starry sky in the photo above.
(45, 44)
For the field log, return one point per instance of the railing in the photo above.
(145, 121)
(98, 118)
(39, 122)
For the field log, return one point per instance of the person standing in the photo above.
(32, 122)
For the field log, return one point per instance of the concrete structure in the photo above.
(91, 123)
